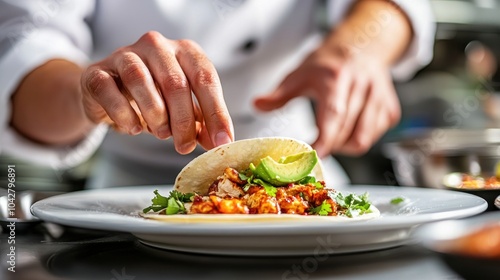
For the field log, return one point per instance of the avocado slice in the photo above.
(287, 170)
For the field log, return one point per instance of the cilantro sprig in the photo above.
(173, 204)
(311, 180)
(270, 189)
(352, 205)
(251, 180)
(397, 200)
(323, 210)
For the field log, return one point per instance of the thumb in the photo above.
(286, 91)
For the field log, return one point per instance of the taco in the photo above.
(258, 176)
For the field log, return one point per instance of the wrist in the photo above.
(343, 51)
(47, 106)
(374, 30)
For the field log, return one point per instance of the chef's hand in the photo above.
(349, 78)
(354, 96)
(148, 85)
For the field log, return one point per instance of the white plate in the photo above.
(117, 209)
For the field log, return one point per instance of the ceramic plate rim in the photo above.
(40, 210)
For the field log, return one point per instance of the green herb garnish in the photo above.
(397, 200)
(311, 180)
(173, 204)
(307, 179)
(352, 205)
(251, 180)
(270, 189)
(243, 176)
(323, 210)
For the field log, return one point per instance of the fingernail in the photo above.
(136, 130)
(222, 138)
(320, 150)
(188, 147)
(164, 132)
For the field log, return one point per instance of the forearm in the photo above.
(47, 107)
(373, 28)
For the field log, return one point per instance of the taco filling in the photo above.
(288, 185)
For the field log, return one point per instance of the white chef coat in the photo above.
(252, 43)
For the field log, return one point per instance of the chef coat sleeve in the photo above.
(33, 32)
(420, 51)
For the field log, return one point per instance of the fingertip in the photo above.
(320, 148)
(320, 151)
(222, 138)
(164, 132)
(269, 102)
(357, 145)
(185, 148)
(137, 129)
(261, 104)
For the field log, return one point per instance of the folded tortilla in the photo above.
(200, 173)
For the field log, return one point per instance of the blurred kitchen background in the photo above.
(457, 90)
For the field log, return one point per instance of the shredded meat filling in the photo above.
(228, 194)
(227, 185)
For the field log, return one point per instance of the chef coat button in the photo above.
(249, 46)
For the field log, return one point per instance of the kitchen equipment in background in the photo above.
(424, 157)
(17, 208)
(459, 89)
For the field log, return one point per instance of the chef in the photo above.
(154, 83)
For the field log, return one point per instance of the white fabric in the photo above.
(419, 13)
(284, 31)
(418, 54)
(31, 33)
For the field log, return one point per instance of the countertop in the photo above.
(49, 251)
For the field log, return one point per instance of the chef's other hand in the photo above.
(354, 96)
(148, 85)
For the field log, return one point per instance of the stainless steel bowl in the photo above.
(16, 207)
(423, 158)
